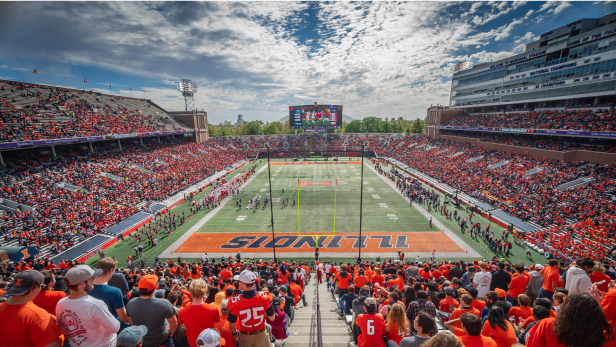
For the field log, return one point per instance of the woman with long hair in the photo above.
(499, 328)
(186, 272)
(409, 296)
(579, 323)
(194, 273)
(378, 278)
(397, 324)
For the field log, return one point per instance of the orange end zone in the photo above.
(324, 183)
(319, 163)
(421, 242)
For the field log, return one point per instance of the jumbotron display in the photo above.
(315, 116)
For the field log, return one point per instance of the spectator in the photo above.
(518, 284)
(424, 324)
(152, 312)
(522, 311)
(85, 319)
(449, 304)
(580, 322)
(550, 279)
(482, 281)
(111, 296)
(278, 327)
(48, 298)
(577, 278)
(224, 326)
(443, 339)
(499, 328)
(210, 338)
(397, 326)
(470, 331)
(198, 316)
(465, 307)
(132, 336)
(500, 278)
(372, 326)
(421, 304)
(297, 291)
(22, 323)
(535, 283)
(539, 313)
(347, 301)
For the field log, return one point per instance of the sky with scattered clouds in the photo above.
(384, 59)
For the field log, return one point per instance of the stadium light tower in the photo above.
(188, 90)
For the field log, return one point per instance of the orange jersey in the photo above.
(344, 282)
(250, 312)
(372, 328)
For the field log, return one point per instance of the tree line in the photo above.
(366, 125)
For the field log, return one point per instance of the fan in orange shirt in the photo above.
(498, 328)
(470, 333)
(371, 325)
(465, 307)
(361, 280)
(523, 311)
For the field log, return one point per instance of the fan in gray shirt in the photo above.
(423, 322)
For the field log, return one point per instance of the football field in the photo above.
(319, 202)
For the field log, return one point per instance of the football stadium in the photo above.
(487, 219)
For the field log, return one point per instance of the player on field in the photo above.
(250, 308)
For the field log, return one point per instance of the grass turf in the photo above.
(317, 211)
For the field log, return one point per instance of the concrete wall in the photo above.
(601, 158)
(438, 115)
(196, 120)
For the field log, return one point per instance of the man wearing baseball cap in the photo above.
(132, 336)
(371, 325)
(22, 323)
(152, 312)
(210, 338)
(85, 319)
(250, 307)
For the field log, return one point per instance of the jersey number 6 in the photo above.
(255, 313)
(370, 326)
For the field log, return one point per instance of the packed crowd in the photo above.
(248, 302)
(482, 303)
(139, 176)
(563, 120)
(529, 197)
(53, 113)
(539, 142)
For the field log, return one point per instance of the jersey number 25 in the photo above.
(256, 314)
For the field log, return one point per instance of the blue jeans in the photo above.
(342, 310)
(545, 294)
(292, 313)
(512, 301)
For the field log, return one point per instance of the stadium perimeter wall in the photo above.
(591, 157)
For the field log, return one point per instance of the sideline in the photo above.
(168, 253)
(455, 238)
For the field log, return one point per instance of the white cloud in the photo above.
(519, 49)
(527, 37)
(561, 7)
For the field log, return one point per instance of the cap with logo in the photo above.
(247, 277)
(24, 282)
(132, 336)
(210, 338)
(539, 267)
(81, 273)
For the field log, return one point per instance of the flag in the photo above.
(144, 90)
(35, 71)
(130, 88)
(109, 86)
(85, 80)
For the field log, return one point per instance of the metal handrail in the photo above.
(319, 333)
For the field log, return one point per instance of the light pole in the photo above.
(361, 199)
(269, 173)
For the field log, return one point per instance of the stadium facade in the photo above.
(574, 64)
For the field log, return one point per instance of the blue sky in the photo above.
(384, 59)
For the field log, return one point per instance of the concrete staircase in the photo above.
(334, 329)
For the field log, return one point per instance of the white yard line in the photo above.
(168, 252)
(455, 238)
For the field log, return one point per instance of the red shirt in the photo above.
(477, 341)
(251, 312)
(372, 327)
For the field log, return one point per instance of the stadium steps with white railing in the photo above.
(303, 331)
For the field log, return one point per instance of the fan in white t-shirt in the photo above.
(85, 319)
(482, 281)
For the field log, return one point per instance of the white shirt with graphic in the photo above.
(87, 322)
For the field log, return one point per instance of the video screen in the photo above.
(315, 116)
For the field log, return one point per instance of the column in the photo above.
(141, 140)
(1, 159)
(597, 100)
(53, 152)
(91, 149)
(158, 139)
(119, 145)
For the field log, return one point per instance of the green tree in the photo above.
(253, 128)
(386, 126)
(355, 126)
(271, 129)
(212, 130)
(417, 127)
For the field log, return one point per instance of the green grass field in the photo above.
(384, 210)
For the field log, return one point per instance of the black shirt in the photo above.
(500, 279)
